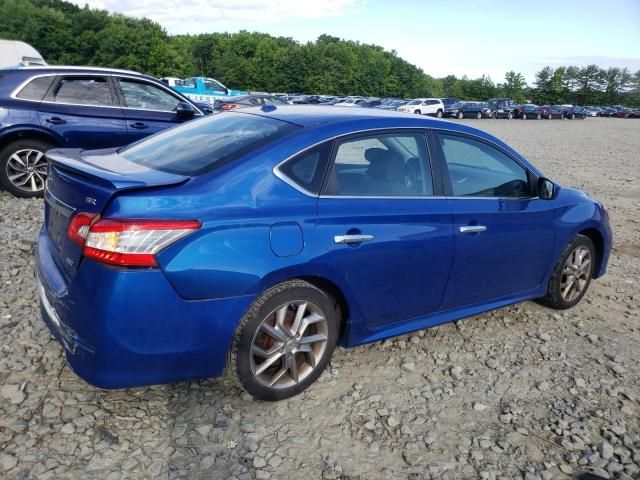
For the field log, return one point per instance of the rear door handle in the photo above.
(55, 120)
(352, 238)
(139, 125)
(472, 229)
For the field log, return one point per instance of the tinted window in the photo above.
(36, 89)
(381, 165)
(146, 96)
(198, 146)
(479, 170)
(307, 169)
(83, 91)
(211, 84)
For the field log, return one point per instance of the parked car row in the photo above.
(91, 108)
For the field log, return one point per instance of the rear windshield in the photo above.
(201, 145)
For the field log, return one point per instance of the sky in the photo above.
(459, 37)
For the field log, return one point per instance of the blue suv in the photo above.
(78, 107)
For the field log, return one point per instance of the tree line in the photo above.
(67, 34)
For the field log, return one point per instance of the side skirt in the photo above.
(359, 334)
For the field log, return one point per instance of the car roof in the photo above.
(309, 116)
(77, 69)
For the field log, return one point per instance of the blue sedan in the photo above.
(257, 240)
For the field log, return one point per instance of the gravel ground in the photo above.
(522, 392)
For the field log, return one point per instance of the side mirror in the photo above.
(184, 111)
(546, 189)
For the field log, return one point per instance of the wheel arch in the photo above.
(346, 307)
(11, 135)
(598, 241)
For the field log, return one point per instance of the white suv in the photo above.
(424, 106)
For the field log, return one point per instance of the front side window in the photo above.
(202, 145)
(381, 165)
(82, 91)
(480, 170)
(36, 89)
(145, 96)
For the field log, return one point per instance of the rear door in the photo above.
(84, 111)
(384, 230)
(504, 234)
(148, 108)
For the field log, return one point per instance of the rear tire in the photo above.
(23, 167)
(509, 115)
(272, 355)
(460, 115)
(538, 117)
(478, 115)
(523, 116)
(573, 116)
(417, 112)
(572, 274)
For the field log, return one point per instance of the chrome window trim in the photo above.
(163, 87)
(76, 67)
(278, 173)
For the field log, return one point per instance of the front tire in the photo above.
(478, 115)
(460, 115)
(439, 114)
(572, 274)
(284, 341)
(509, 115)
(523, 116)
(417, 112)
(23, 167)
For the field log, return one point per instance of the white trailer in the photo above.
(13, 53)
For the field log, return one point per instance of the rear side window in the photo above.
(307, 169)
(381, 165)
(82, 91)
(202, 145)
(36, 89)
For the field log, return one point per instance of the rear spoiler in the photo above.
(107, 166)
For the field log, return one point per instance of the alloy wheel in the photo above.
(289, 344)
(575, 274)
(27, 170)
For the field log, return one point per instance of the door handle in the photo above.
(352, 238)
(472, 229)
(55, 120)
(139, 125)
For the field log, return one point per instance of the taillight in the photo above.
(133, 242)
(79, 227)
(228, 106)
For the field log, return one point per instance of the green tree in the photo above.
(514, 86)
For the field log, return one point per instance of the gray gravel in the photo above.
(522, 392)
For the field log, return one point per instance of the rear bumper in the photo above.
(125, 328)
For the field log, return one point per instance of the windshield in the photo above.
(211, 84)
(199, 146)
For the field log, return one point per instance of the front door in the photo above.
(503, 233)
(384, 230)
(148, 108)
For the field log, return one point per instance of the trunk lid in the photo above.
(86, 181)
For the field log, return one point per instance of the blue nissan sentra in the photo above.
(257, 240)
